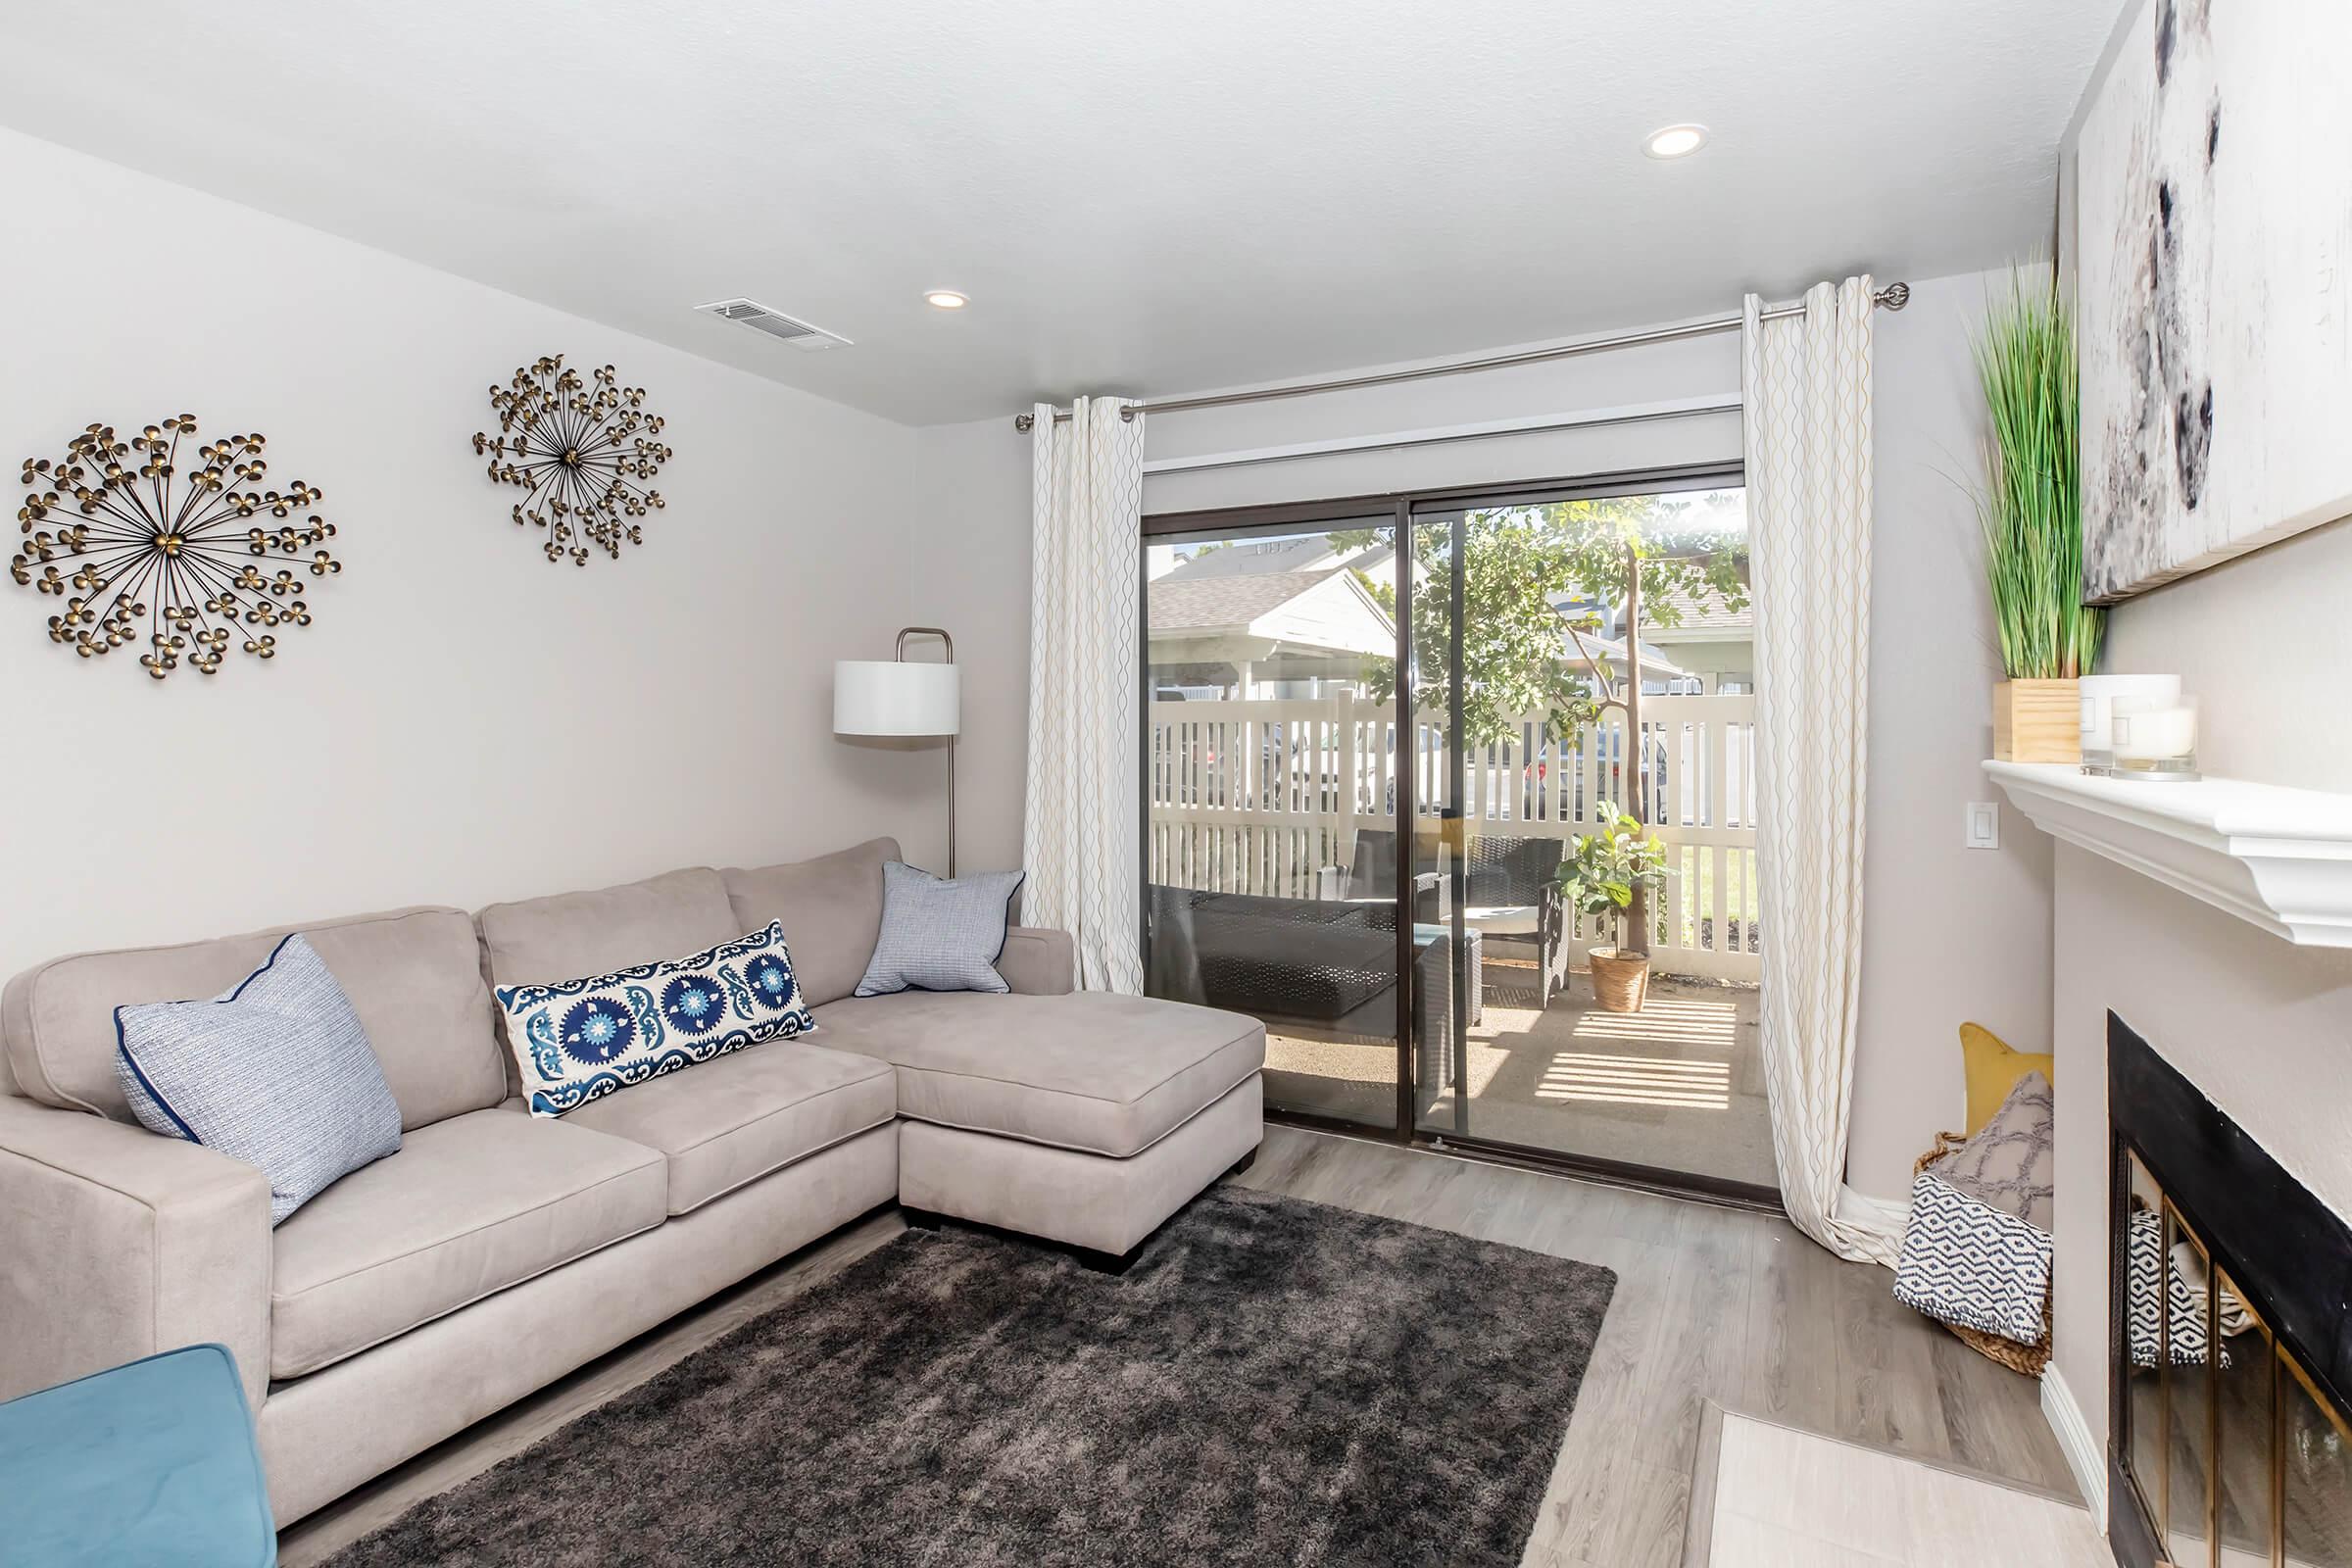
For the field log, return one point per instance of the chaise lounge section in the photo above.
(498, 1250)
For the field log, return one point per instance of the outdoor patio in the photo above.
(1273, 836)
(1678, 1086)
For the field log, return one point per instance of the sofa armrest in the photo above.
(1037, 962)
(116, 1243)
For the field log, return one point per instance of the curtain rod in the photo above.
(1893, 297)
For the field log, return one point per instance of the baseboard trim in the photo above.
(2081, 1450)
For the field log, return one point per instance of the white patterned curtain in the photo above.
(1805, 382)
(1080, 839)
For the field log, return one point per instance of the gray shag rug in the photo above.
(1273, 1381)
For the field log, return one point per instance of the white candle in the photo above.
(2100, 693)
(2153, 731)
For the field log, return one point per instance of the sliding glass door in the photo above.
(1368, 766)
(1578, 662)
(1269, 768)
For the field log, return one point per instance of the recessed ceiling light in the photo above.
(946, 299)
(1675, 141)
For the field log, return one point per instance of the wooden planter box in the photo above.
(2036, 721)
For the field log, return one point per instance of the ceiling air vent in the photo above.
(775, 323)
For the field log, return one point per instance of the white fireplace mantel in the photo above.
(2280, 857)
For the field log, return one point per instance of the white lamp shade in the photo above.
(885, 697)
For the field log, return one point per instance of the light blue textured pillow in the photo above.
(275, 1072)
(580, 1039)
(939, 935)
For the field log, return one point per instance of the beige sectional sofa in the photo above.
(497, 1251)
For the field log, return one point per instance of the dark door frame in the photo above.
(1404, 508)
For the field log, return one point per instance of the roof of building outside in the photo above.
(1253, 558)
(1612, 651)
(1711, 619)
(1233, 599)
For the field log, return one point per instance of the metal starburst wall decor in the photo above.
(167, 559)
(584, 456)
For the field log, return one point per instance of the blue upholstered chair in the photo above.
(146, 1465)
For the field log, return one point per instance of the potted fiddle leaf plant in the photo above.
(1599, 877)
(2031, 511)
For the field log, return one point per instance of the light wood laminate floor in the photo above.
(1713, 1305)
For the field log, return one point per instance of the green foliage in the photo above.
(1604, 868)
(1517, 562)
(2032, 510)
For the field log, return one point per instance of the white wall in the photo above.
(2266, 641)
(1952, 934)
(967, 570)
(464, 721)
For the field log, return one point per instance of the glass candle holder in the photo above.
(2099, 694)
(2154, 739)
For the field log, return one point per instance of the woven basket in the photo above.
(1620, 980)
(2029, 1360)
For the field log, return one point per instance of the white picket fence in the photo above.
(1265, 795)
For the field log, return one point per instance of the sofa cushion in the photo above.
(1106, 1074)
(830, 907)
(414, 977)
(575, 1041)
(468, 1207)
(733, 1120)
(566, 935)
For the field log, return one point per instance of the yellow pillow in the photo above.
(1994, 1069)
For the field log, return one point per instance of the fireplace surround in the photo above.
(2229, 1340)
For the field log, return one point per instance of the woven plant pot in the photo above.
(1620, 980)
(2029, 1360)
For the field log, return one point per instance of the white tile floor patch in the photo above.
(1790, 1499)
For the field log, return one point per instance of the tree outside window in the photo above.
(1520, 565)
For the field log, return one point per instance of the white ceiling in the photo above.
(1141, 198)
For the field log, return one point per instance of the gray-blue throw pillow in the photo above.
(939, 935)
(275, 1072)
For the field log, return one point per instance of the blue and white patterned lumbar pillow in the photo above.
(581, 1040)
(939, 935)
(276, 1073)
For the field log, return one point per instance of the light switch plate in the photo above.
(1982, 827)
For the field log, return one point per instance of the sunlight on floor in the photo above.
(1637, 1081)
(1666, 1020)
(1687, 1023)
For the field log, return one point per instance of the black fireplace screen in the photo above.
(2229, 1444)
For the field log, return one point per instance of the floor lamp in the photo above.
(892, 697)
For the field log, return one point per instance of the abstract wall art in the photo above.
(584, 448)
(150, 550)
(2212, 268)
